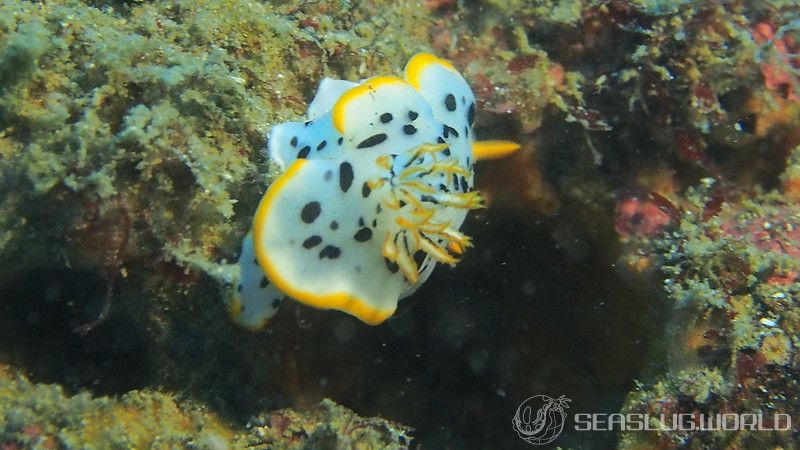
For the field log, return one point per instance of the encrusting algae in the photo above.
(43, 416)
(733, 276)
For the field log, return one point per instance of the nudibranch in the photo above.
(372, 191)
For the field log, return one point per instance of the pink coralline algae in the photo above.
(778, 76)
(776, 234)
(640, 218)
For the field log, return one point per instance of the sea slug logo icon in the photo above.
(539, 420)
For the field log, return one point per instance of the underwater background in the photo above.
(639, 254)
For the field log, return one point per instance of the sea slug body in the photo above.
(373, 189)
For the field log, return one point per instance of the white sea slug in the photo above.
(372, 192)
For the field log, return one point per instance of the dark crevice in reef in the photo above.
(524, 313)
(62, 325)
(43, 329)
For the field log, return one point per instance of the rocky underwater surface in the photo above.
(640, 254)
